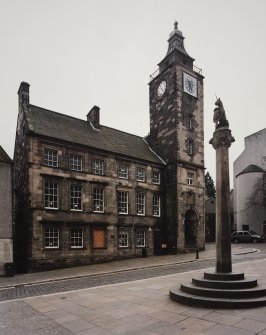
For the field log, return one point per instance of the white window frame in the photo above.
(51, 198)
(75, 162)
(98, 199)
(51, 238)
(156, 177)
(140, 238)
(156, 205)
(76, 238)
(97, 166)
(140, 204)
(122, 198)
(123, 238)
(190, 178)
(50, 157)
(122, 171)
(75, 197)
(141, 174)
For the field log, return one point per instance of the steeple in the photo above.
(176, 52)
(176, 40)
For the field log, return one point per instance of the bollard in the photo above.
(197, 254)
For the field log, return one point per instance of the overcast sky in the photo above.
(79, 53)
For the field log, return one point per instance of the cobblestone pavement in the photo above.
(64, 285)
(118, 272)
(140, 307)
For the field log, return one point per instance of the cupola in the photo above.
(176, 40)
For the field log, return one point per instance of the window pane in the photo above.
(50, 157)
(190, 178)
(75, 197)
(140, 174)
(97, 166)
(123, 202)
(75, 162)
(51, 238)
(51, 195)
(98, 199)
(123, 238)
(140, 238)
(123, 171)
(156, 205)
(156, 177)
(140, 204)
(99, 238)
(76, 238)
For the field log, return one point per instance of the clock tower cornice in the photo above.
(177, 56)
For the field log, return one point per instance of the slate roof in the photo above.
(60, 126)
(4, 156)
(251, 168)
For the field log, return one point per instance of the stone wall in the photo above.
(65, 219)
(6, 238)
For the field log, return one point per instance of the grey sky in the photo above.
(80, 53)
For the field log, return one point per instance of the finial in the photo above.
(175, 24)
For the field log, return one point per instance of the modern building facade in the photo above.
(88, 193)
(6, 218)
(250, 184)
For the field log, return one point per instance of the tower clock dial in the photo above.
(161, 88)
(190, 85)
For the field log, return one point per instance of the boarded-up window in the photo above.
(99, 238)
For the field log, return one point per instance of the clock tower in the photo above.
(177, 136)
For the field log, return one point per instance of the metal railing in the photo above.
(197, 69)
(155, 73)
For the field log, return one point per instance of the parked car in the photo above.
(246, 236)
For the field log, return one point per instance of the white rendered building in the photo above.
(249, 184)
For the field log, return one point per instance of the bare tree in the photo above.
(257, 197)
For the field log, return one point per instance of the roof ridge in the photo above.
(49, 110)
(251, 168)
(68, 128)
(4, 157)
(73, 117)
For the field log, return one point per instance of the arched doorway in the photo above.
(191, 223)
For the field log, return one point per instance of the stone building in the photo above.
(88, 193)
(6, 218)
(177, 136)
(250, 185)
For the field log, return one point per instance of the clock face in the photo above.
(190, 85)
(161, 88)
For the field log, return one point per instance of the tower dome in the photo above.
(175, 31)
(176, 40)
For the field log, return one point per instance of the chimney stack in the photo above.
(24, 93)
(94, 117)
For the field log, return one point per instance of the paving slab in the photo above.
(116, 266)
(140, 307)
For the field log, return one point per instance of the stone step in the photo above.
(258, 291)
(193, 300)
(220, 284)
(224, 276)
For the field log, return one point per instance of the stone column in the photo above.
(221, 142)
